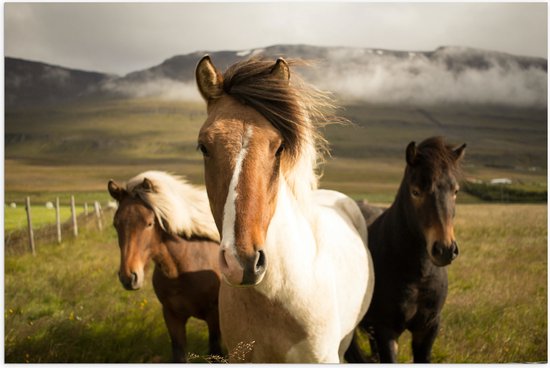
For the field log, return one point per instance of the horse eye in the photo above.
(280, 150)
(203, 149)
(416, 193)
(149, 224)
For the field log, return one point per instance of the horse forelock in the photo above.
(180, 208)
(439, 157)
(294, 108)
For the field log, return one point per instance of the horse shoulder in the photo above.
(344, 206)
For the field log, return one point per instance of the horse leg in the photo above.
(214, 334)
(354, 354)
(422, 342)
(386, 342)
(175, 323)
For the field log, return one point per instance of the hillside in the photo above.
(79, 147)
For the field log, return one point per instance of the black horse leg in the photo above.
(354, 354)
(422, 342)
(386, 341)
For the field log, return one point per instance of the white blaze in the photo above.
(229, 209)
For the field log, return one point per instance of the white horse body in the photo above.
(320, 271)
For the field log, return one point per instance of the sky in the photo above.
(120, 38)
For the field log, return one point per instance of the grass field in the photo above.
(16, 218)
(78, 148)
(66, 304)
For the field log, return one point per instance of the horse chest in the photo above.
(192, 293)
(422, 300)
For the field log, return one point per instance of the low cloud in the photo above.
(167, 89)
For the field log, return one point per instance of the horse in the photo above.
(411, 243)
(162, 218)
(370, 212)
(297, 272)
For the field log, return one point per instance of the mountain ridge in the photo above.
(368, 74)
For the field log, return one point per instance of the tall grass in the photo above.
(66, 304)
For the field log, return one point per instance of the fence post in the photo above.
(86, 209)
(58, 219)
(29, 223)
(73, 213)
(98, 215)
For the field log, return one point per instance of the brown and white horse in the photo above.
(162, 218)
(298, 273)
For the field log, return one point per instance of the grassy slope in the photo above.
(78, 148)
(66, 304)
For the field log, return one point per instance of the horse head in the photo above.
(138, 232)
(431, 186)
(243, 153)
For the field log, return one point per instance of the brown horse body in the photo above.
(186, 278)
(410, 243)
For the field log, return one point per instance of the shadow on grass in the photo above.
(74, 341)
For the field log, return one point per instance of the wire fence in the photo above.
(29, 238)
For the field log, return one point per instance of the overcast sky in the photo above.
(125, 37)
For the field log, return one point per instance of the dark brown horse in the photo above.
(411, 243)
(186, 278)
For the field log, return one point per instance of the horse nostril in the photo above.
(455, 251)
(134, 279)
(437, 249)
(260, 262)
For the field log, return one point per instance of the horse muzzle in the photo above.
(443, 254)
(243, 271)
(133, 281)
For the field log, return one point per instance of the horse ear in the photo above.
(147, 185)
(281, 70)
(115, 190)
(459, 152)
(209, 79)
(411, 154)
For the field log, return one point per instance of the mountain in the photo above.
(34, 83)
(447, 75)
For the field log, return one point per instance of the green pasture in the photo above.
(78, 148)
(66, 303)
(16, 218)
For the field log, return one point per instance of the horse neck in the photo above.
(290, 243)
(168, 255)
(401, 217)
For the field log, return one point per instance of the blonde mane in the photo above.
(293, 107)
(180, 208)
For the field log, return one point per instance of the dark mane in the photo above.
(294, 108)
(436, 154)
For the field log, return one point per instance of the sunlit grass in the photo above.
(16, 218)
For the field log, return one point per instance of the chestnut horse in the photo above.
(411, 243)
(162, 218)
(298, 274)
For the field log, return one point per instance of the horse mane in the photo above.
(435, 153)
(180, 208)
(294, 108)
